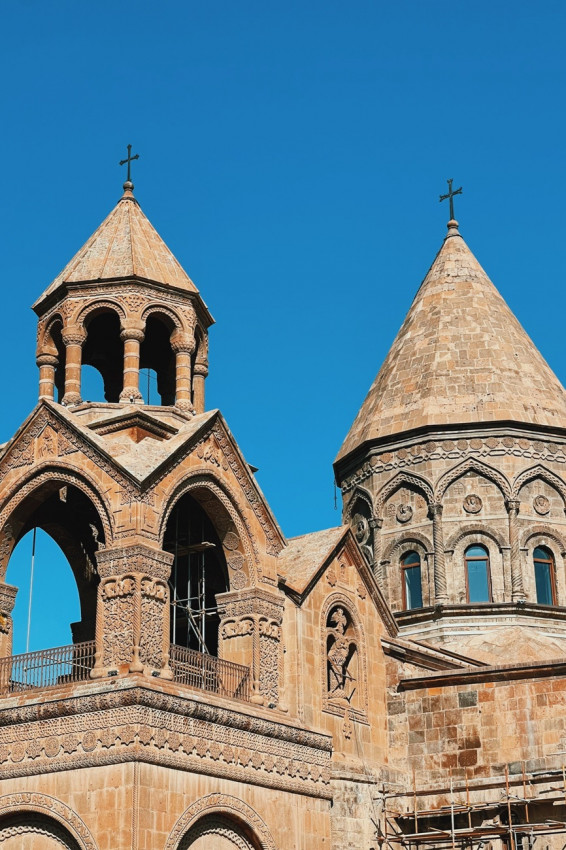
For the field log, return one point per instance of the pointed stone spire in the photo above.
(124, 246)
(460, 357)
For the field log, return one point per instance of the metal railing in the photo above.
(46, 668)
(62, 665)
(208, 673)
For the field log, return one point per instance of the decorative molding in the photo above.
(224, 805)
(472, 464)
(403, 478)
(50, 808)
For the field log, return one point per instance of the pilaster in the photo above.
(132, 618)
(250, 634)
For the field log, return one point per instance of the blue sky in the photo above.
(292, 155)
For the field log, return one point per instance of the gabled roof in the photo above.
(125, 245)
(460, 357)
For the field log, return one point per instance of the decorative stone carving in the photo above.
(43, 815)
(250, 630)
(404, 513)
(210, 811)
(132, 623)
(472, 504)
(541, 505)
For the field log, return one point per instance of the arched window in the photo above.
(477, 574)
(544, 576)
(411, 577)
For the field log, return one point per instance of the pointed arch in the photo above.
(226, 806)
(335, 601)
(222, 507)
(475, 528)
(411, 480)
(359, 493)
(472, 464)
(539, 471)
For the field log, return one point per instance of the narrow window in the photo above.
(477, 574)
(412, 587)
(544, 576)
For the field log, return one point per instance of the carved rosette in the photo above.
(132, 622)
(250, 634)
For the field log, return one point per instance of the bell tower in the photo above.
(124, 303)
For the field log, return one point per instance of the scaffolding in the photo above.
(506, 819)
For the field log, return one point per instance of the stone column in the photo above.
(200, 373)
(132, 614)
(183, 345)
(250, 634)
(47, 364)
(517, 590)
(132, 335)
(376, 524)
(73, 338)
(440, 586)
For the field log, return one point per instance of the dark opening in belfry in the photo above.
(198, 573)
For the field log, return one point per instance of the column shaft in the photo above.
(517, 589)
(440, 585)
(132, 339)
(47, 364)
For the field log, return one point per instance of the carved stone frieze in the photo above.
(199, 738)
(484, 447)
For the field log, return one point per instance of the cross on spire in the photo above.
(129, 159)
(450, 195)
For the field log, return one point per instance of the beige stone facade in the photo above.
(228, 688)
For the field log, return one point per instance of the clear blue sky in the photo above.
(292, 155)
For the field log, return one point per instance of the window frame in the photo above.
(487, 559)
(552, 562)
(405, 567)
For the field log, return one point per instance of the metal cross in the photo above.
(130, 159)
(450, 195)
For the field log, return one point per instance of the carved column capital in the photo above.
(182, 342)
(130, 332)
(435, 510)
(513, 505)
(73, 335)
(201, 369)
(47, 360)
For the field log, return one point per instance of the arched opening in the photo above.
(47, 604)
(92, 384)
(478, 583)
(148, 386)
(157, 355)
(68, 516)
(218, 832)
(545, 581)
(198, 574)
(33, 831)
(104, 350)
(411, 580)
(53, 343)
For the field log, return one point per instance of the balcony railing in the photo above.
(208, 673)
(46, 668)
(62, 665)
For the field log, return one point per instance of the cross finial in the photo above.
(450, 195)
(129, 159)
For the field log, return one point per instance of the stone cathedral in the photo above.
(397, 681)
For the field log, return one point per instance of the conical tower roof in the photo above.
(460, 357)
(125, 245)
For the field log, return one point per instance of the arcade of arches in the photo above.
(228, 687)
